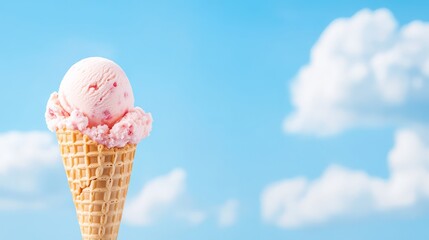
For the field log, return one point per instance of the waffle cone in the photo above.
(98, 178)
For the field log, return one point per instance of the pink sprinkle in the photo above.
(107, 115)
(125, 94)
(94, 86)
(115, 84)
(51, 112)
(130, 130)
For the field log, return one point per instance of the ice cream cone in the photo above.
(98, 178)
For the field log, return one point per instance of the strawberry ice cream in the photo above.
(95, 97)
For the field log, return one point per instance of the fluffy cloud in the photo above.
(194, 217)
(341, 192)
(27, 150)
(363, 70)
(228, 213)
(14, 204)
(165, 197)
(158, 195)
(22, 156)
(155, 196)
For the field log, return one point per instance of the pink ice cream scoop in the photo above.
(99, 89)
(96, 98)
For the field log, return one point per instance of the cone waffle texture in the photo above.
(98, 178)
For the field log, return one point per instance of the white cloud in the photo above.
(27, 150)
(228, 213)
(158, 195)
(363, 70)
(22, 156)
(14, 205)
(166, 197)
(155, 196)
(194, 217)
(343, 192)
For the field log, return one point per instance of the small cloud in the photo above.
(165, 197)
(363, 71)
(23, 155)
(15, 205)
(156, 196)
(27, 150)
(228, 213)
(193, 217)
(343, 192)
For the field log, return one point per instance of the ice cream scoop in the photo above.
(96, 98)
(98, 88)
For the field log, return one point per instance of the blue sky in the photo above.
(218, 79)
